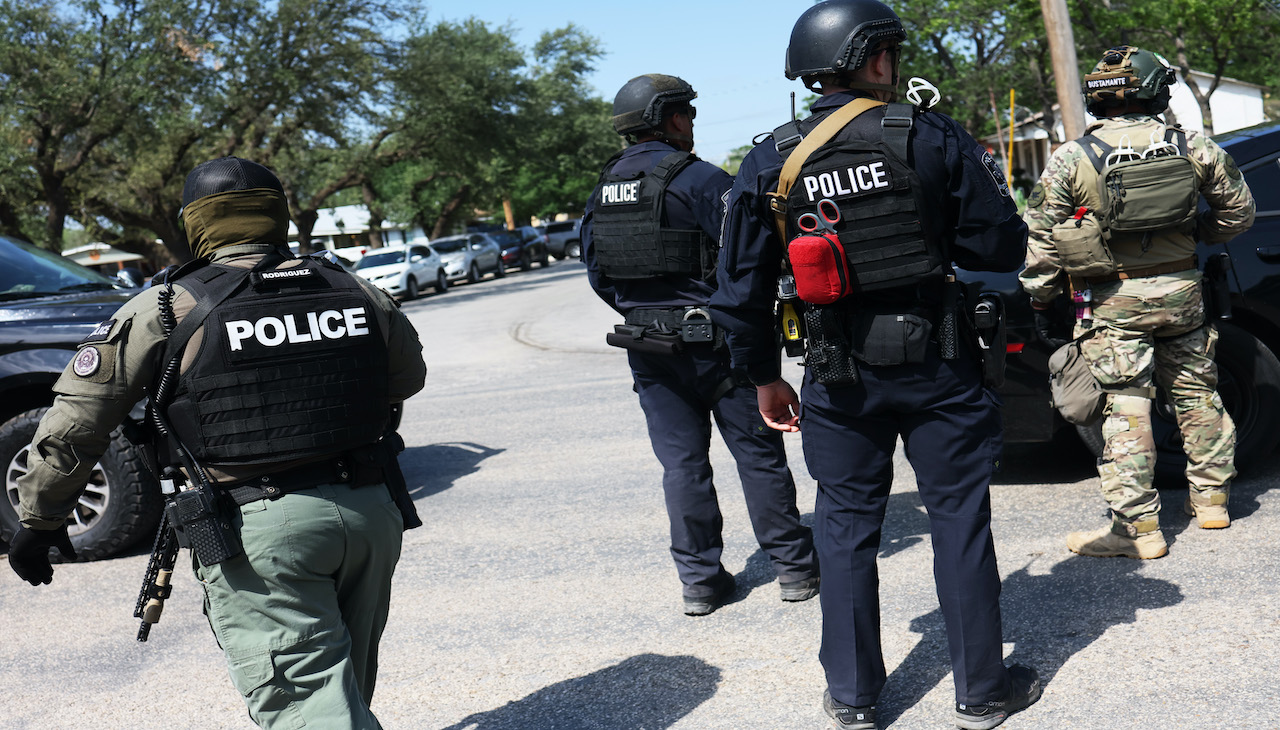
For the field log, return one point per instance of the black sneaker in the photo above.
(846, 717)
(1024, 690)
(703, 605)
(799, 590)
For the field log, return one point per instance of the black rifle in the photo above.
(156, 585)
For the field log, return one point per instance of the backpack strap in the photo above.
(1171, 132)
(669, 166)
(815, 139)
(1087, 142)
(896, 126)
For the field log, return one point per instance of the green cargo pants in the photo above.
(300, 614)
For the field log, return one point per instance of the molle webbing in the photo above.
(631, 241)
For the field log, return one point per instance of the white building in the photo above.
(347, 226)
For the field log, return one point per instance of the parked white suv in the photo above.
(402, 270)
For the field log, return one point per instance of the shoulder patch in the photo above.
(101, 333)
(997, 175)
(1037, 196)
(1229, 163)
(86, 362)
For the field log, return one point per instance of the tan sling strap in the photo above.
(815, 139)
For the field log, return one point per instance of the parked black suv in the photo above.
(48, 304)
(522, 247)
(1249, 372)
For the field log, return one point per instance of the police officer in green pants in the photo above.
(276, 376)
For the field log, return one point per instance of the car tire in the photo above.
(411, 289)
(573, 250)
(526, 261)
(120, 507)
(501, 271)
(1249, 383)
(544, 259)
(473, 272)
(442, 282)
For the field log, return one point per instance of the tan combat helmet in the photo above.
(1125, 74)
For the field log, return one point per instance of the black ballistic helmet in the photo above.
(1129, 73)
(837, 36)
(226, 174)
(640, 104)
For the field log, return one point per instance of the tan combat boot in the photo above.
(1105, 543)
(1209, 509)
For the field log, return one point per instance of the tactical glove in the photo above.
(29, 553)
(1044, 328)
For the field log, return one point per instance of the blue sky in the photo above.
(731, 52)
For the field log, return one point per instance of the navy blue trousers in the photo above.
(677, 394)
(951, 429)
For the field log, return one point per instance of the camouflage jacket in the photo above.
(1069, 181)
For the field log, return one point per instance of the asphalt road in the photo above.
(540, 594)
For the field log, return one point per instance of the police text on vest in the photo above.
(620, 193)
(851, 180)
(330, 324)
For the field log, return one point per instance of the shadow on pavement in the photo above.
(648, 691)
(434, 468)
(1049, 618)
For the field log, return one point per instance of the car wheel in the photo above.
(501, 271)
(411, 289)
(1249, 383)
(120, 506)
(526, 261)
(473, 272)
(442, 282)
(573, 250)
(544, 259)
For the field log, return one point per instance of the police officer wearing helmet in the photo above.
(891, 351)
(1114, 223)
(277, 376)
(649, 237)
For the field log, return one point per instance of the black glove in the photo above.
(1044, 328)
(29, 553)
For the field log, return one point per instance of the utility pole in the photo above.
(1066, 67)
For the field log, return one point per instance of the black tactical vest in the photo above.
(292, 364)
(884, 224)
(628, 234)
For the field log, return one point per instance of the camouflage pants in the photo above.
(1147, 332)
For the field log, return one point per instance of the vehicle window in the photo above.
(28, 270)
(560, 227)
(420, 251)
(449, 245)
(506, 238)
(380, 258)
(1264, 181)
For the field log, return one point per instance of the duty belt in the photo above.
(1172, 267)
(693, 324)
(278, 484)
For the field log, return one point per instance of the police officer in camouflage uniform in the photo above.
(649, 238)
(1148, 323)
(914, 193)
(281, 395)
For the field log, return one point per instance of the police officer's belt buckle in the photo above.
(696, 326)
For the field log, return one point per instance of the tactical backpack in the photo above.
(1147, 189)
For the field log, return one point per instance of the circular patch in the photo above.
(1037, 196)
(87, 362)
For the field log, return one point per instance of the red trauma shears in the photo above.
(824, 220)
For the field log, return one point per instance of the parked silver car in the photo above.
(469, 256)
(401, 270)
(563, 239)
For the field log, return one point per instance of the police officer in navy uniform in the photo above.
(912, 193)
(649, 237)
(278, 376)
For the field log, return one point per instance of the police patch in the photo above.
(101, 332)
(997, 175)
(620, 193)
(86, 362)
(1037, 196)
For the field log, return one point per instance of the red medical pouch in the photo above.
(820, 267)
